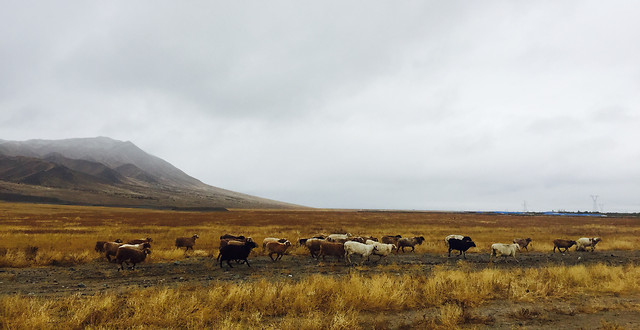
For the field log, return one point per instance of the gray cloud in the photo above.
(419, 105)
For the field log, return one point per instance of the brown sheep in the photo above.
(331, 249)
(404, 242)
(110, 249)
(391, 239)
(131, 255)
(100, 245)
(277, 248)
(523, 242)
(140, 240)
(313, 244)
(562, 244)
(186, 242)
(271, 239)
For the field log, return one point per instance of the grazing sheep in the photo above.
(186, 242)
(382, 249)
(584, 242)
(236, 252)
(361, 249)
(501, 249)
(562, 244)
(338, 238)
(140, 240)
(100, 245)
(412, 242)
(132, 255)
(313, 244)
(277, 248)
(110, 249)
(461, 245)
(271, 239)
(331, 249)
(388, 239)
(523, 242)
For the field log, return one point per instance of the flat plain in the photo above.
(48, 265)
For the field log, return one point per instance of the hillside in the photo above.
(103, 171)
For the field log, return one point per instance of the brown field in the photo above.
(51, 277)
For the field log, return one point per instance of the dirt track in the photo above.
(98, 276)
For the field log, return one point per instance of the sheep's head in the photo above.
(419, 240)
(393, 247)
(528, 240)
(146, 251)
(195, 236)
(287, 243)
(596, 240)
(146, 245)
(118, 240)
(517, 246)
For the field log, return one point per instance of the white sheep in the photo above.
(585, 242)
(338, 238)
(502, 249)
(358, 248)
(382, 249)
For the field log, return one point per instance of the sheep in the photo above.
(271, 239)
(331, 249)
(139, 246)
(460, 237)
(562, 244)
(236, 252)
(388, 239)
(236, 242)
(404, 242)
(278, 248)
(229, 236)
(523, 242)
(357, 239)
(313, 244)
(100, 245)
(584, 242)
(131, 255)
(364, 250)
(382, 249)
(110, 249)
(502, 249)
(338, 238)
(140, 240)
(461, 245)
(186, 242)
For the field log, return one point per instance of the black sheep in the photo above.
(461, 245)
(236, 252)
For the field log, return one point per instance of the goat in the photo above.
(186, 242)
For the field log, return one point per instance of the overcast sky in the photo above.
(428, 105)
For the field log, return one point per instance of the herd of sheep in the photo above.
(341, 246)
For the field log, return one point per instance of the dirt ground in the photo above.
(101, 276)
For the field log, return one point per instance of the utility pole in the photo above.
(595, 203)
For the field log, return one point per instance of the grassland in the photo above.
(390, 296)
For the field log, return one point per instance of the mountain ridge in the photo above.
(104, 171)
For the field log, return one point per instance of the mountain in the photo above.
(104, 171)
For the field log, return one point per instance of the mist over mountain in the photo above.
(104, 171)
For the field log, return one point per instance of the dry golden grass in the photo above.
(317, 301)
(67, 234)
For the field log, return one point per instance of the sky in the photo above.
(417, 105)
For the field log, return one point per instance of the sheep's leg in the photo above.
(464, 254)
(229, 263)
(514, 257)
(247, 262)
(449, 252)
(271, 256)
